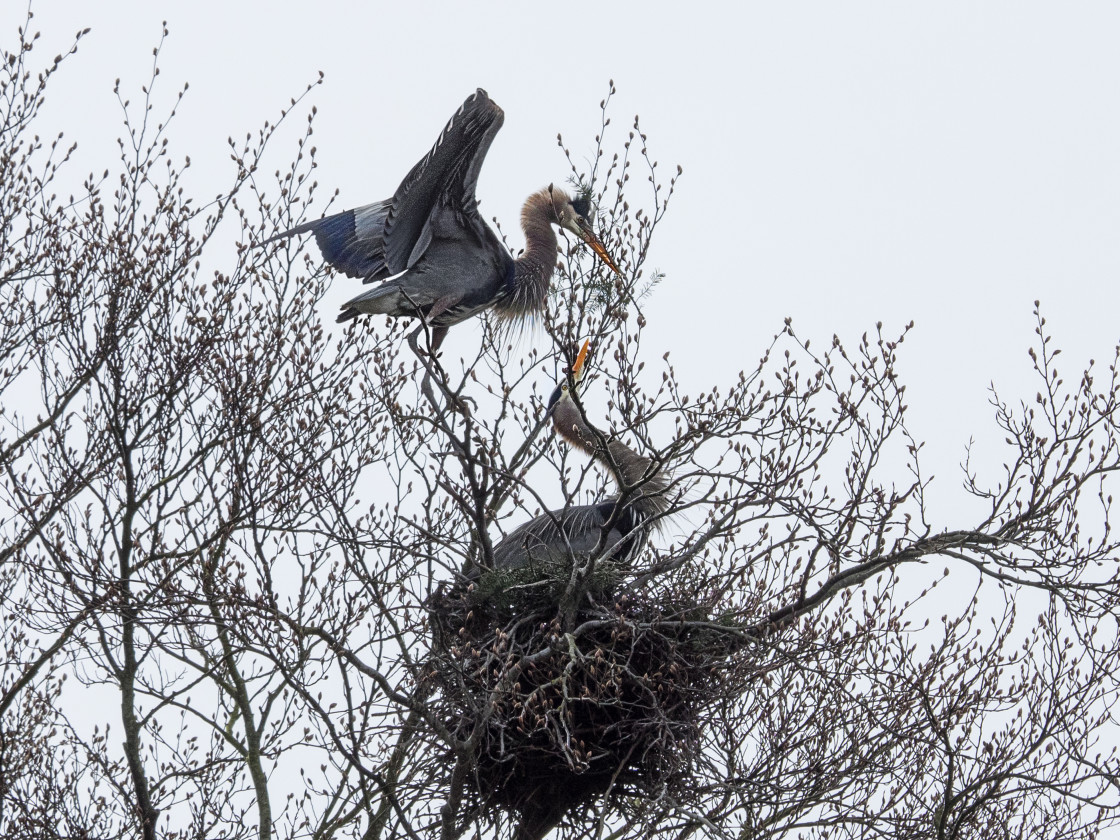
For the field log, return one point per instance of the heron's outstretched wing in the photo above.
(385, 238)
(350, 241)
(447, 175)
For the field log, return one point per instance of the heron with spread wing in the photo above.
(434, 255)
(616, 528)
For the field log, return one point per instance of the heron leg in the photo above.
(427, 359)
(438, 335)
(414, 343)
(442, 305)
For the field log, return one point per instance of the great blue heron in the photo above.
(614, 531)
(448, 263)
(616, 528)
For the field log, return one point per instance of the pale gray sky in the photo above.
(844, 162)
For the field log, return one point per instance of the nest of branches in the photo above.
(563, 710)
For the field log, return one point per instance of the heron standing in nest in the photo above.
(615, 529)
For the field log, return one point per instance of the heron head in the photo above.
(567, 417)
(575, 215)
(562, 392)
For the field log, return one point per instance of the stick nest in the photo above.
(560, 713)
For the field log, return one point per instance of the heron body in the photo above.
(431, 252)
(615, 529)
(577, 531)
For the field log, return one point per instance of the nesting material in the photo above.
(610, 704)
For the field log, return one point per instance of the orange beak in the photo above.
(591, 239)
(577, 366)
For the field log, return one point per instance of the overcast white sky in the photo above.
(844, 163)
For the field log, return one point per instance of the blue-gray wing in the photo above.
(351, 241)
(445, 178)
(384, 238)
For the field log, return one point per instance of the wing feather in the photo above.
(385, 238)
(576, 532)
(448, 175)
(350, 241)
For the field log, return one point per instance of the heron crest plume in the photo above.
(583, 202)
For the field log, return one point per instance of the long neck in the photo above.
(532, 271)
(644, 484)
